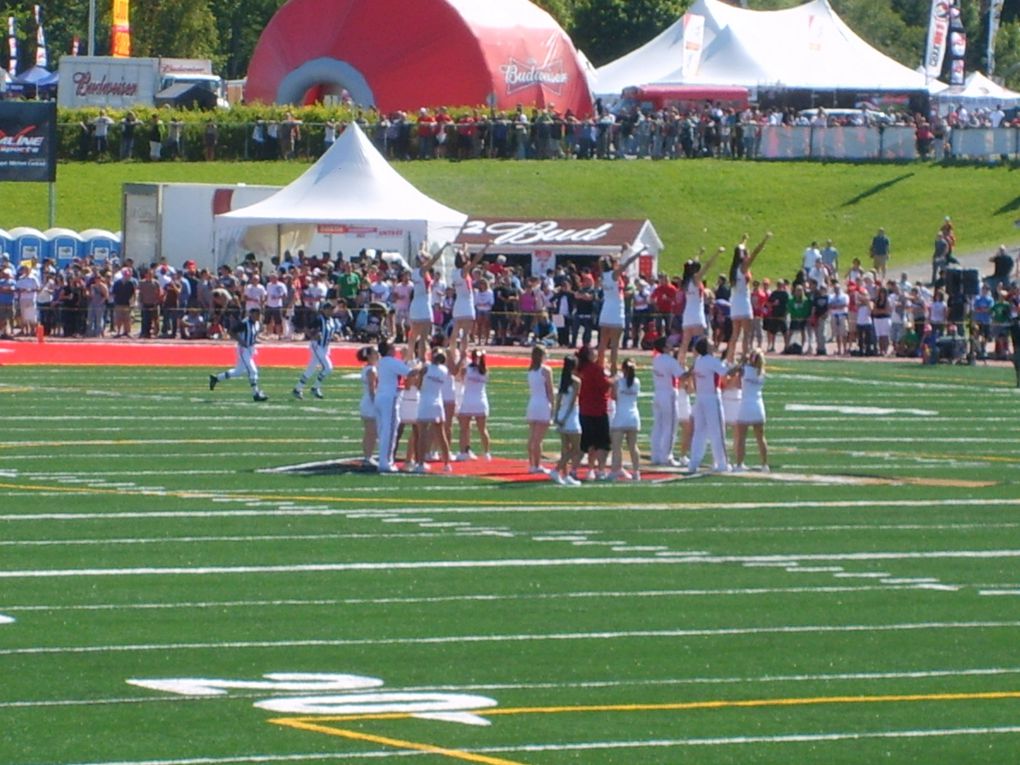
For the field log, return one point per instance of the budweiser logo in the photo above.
(519, 76)
(542, 232)
(85, 86)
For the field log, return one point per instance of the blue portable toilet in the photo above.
(100, 244)
(6, 244)
(29, 244)
(63, 245)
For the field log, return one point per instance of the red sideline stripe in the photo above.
(202, 354)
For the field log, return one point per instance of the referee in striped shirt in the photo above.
(246, 334)
(321, 329)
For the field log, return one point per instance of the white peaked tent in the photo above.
(351, 194)
(978, 92)
(807, 46)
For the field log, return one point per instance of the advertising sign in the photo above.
(28, 141)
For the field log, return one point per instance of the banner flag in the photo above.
(994, 18)
(28, 141)
(938, 28)
(120, 42)
(41, 59)
(694, 40)
(12, 46)
(957, 46)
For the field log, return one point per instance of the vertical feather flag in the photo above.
(12, 46)
(41, 59)
(120, 44)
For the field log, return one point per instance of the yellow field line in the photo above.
(694, 705)
(196, 495)
(315, 724)
(396, 743)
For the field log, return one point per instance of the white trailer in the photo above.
(123, 83)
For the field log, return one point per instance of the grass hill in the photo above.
(691, 203)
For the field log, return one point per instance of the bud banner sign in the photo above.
(28, 141)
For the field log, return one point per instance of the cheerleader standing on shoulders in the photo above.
(666, 372)
(389, 370)
(368, 356)
(752, 410)
(539, 412)
(568, 423)
(626, 423)
(420, 314)
(474, 406)
(464, 313)
(693, 286)
(741, 312)
(611, 318)
(708, 413)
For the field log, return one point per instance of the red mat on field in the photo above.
(198, 354)
(511, 470)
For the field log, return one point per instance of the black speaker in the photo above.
(971, 282)
(954, 281)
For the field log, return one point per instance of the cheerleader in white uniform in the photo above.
(368, 356)
(407, 416)
(420, 314)
(626, 422)
(752, 410)
(730, 400)
(431, 412)
(568, 423)
(694, 307)
(741, 313)
(464, 313)
(666, 371)
(389, 370)
(708, 414)
(539, 411)
(474, 406)
(611, 317)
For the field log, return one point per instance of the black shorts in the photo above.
(775, 325)
(796, 325)
(274, 315)
(595, 432)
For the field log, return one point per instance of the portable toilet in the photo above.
(29, 244)
(100, 244)
(6, 244)
(63, 245)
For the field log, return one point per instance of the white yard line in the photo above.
(419, 640)
(481, 597)
(779, 560)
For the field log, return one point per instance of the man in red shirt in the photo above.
(593, 411)
(662, 302)
(426, 130)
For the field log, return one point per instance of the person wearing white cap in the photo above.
(28, 289)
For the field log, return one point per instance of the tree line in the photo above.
(226, 31)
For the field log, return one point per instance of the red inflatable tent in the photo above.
(396, 54)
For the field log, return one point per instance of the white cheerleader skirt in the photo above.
(407, 409)
(752, 411)
(539, 410)
(730, 405)
(366, 408)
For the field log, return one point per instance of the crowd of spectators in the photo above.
(709, 130)
(826, 308)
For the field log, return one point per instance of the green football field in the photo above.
(168, 598)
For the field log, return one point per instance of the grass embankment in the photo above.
(691, 203)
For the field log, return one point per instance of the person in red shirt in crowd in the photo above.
(443, 121)
(759, 310)
(593, 407)
(662, 302)
(466, 130)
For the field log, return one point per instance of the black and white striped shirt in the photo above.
(324, 328)
(247, 333)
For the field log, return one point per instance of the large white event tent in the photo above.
(351, 194)
(978, 92)
(805, 47)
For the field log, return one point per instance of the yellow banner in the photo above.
(120, 40)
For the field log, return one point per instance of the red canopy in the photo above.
(396, 54)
